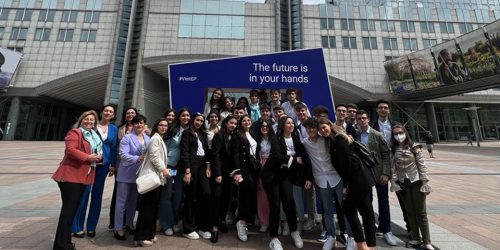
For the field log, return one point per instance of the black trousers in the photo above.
(247, 199)
(280, 190)
(148, 213)
(112, 207)
(221, 194)
(197, 195)
(400, 196)
(361, 201)
(71, 194)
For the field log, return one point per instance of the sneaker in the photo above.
(378, 233)
(143, 243)
(242, 231)
(205, 234)
(308, 224)
(297, 240)
(390, 239)
(177, 229)
(322, 236)
(429, 247)
(286, 229)
(263, 229)
(169, 232)
(192, 236)
(351, 244)
(342, 237)
(155, 239)
(275, 244)
(329, 243)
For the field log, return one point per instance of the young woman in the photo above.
(265, 134)
(245, 173)
(170, 116)
(227, 108)
(409, 173)
(213, 126)
(243, 102)
(154, 161)
(108, 133)
(285, 167)
(197, 171)
(221, 182)
(82, 152)
(171, 196)
(215, 101)
(132, 152)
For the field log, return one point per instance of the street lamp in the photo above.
(475, 123)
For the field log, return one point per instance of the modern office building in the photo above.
(81, 54)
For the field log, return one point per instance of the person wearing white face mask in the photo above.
(409, 174)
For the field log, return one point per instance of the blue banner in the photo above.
(304, 70)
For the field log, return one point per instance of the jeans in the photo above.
(384, 214)
(327, 197)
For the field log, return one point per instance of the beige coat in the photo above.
(156, 158)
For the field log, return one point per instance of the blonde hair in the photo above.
(85, 114)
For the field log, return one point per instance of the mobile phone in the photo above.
(173, 172)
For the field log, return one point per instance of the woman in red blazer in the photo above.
(83, 150)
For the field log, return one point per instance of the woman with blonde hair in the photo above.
(83, 150)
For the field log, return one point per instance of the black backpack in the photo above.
(367, 161)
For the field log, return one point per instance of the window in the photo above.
(349, 43)
(327, 23)
(446, 28)
(347, 24)
(2, 31)
(427, 27)
(48, 11)
(92, 13)
(429, 42)
(407, 26)
(367, 25)
(465, 27)
(370, 43)
(25, 10)
(387, 58)
(387, 25)
(390, 43)
(65, 35)
(18, 33)
(70, 12)
(410, 44)
(88, 35)
(328, 42)
(18, 49)
(42, 34)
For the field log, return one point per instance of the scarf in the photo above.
(254, 112)
(93, 138)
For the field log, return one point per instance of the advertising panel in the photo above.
(400, 76)
(9, 60)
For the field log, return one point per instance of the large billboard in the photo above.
(304, 70)
(9, 60)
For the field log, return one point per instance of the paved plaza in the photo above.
(464, 208)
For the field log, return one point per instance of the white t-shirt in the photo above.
(253, 143)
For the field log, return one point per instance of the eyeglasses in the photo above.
(264, 126)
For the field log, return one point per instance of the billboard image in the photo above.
(450, 63)
(424, 69)
(494, 34)
(400, 76)
(192, 83)
(9, 60)
(479, 61)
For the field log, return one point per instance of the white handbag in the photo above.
(148, 181)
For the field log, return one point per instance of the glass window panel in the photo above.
(84, 35)
(324, 41)
(212, 20)
(23, 33)
(2, 31)
(332, 41)
(187, 6)
(225, 32)
(198, 31)
(323, 23)
(237, 21)
(225, 21)
(4, 14)
(198, 20)
(38, 34)
(213, 7)
(238, 32)
(14, 33)
(200, 7)
(322, 10)
(61, 34)
(238, 8)
(212, 31)
(225, 8)
(185, 31)
(92, 36)
(186, 19)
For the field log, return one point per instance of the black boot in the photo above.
(215, 236)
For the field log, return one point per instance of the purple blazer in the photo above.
(130, 150)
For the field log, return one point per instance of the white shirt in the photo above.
(265, 149)
(253, 143)
(290, 148)
(321, 162)
(200, 151)
(385, 128)
(104, 135)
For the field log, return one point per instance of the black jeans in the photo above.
(280, 190)
(71, 194)
(197, 195)
(148, 213)
(362, 202)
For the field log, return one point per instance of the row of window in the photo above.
(389, 25)
(48, 15)
(43, 34)
(389, 43)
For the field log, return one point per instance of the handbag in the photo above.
(148, 181)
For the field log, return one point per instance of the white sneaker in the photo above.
(297, 240)
(143, 243)
(308, 225)
(263, 229)
(329, 243)
(286, 229)
(351, 244)
(155, 239)
(192, 236)
(205, 234)
(169, 232)
(429, 247)
(275, 244)
(390, 239)
(242, 231)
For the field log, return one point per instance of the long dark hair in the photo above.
(281, 125)
(259, 134)
(406, 143)
(174, 129)
(219, 102)
(247, 105)
(124, 115)
(223, 102)
(240, 128)
(155, 126)
(201, 131)
(168, 111)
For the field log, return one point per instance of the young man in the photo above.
(289, 106)
(384, 125)
(321, 111)
(278, 112)
(351, 113)
(254, 111)
(302, 116)
(238, 112)
(341, 116)
(265, 115)
(275, 99)
(328, 182)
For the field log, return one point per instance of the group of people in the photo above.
(270, 164)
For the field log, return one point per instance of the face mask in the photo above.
(400, 138)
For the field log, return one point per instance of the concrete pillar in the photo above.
(12, 118)
(431, 120)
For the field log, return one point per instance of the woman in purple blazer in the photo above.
(132, 151)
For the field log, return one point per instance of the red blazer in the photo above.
(74, 167)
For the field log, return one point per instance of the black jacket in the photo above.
(222, 159)
(189, 147)
(243, 162)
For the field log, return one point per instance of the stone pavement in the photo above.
(464, 209)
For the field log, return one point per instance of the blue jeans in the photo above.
(328, 200)
(170, 202)
(384, 214)
(95, 191)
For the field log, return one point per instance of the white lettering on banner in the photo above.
(187, 79)
(281, 78)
